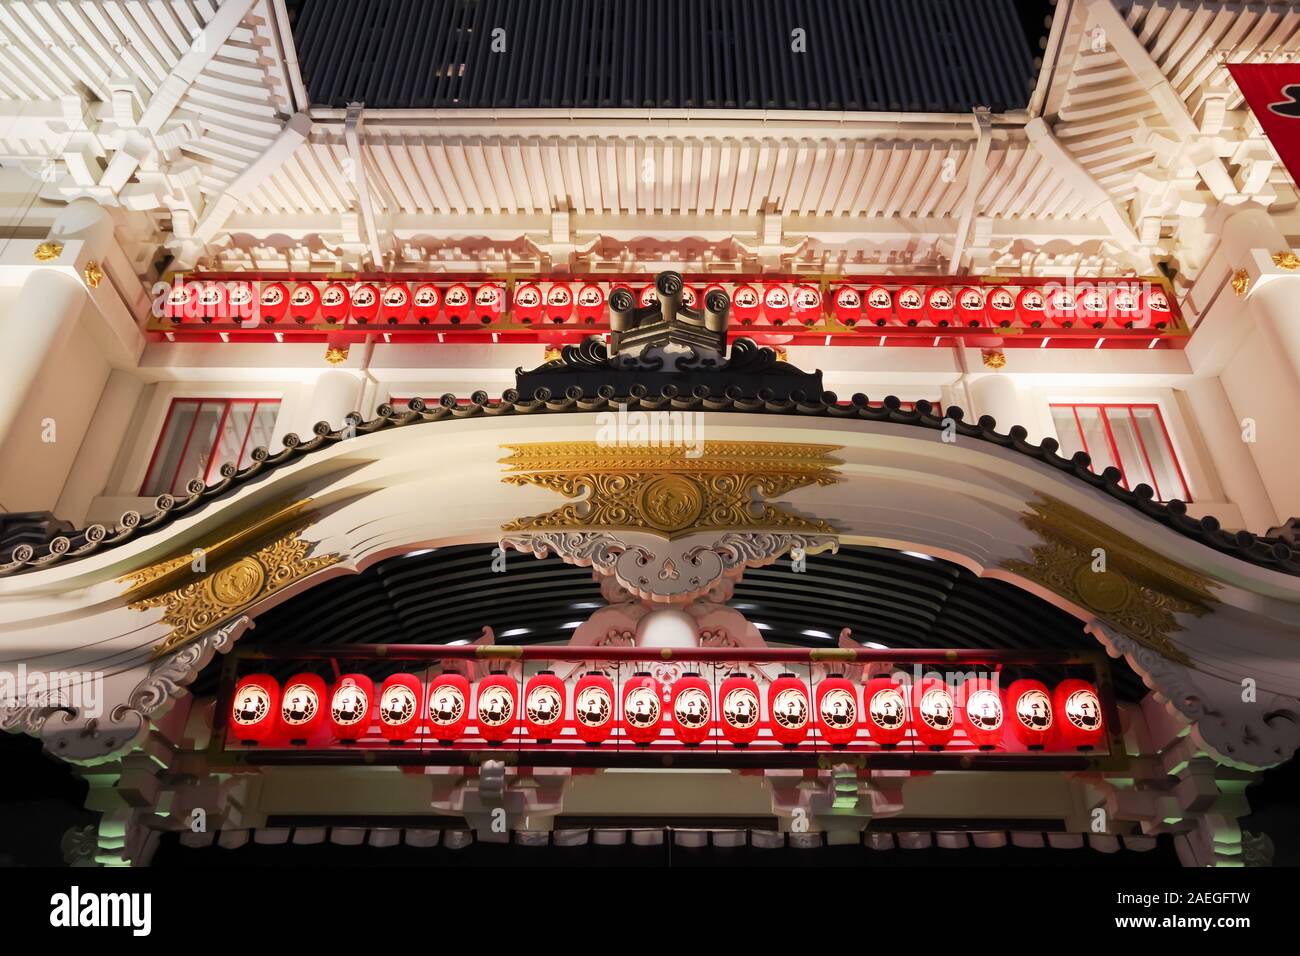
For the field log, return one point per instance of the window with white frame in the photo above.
(1133, 438)
(200, 435)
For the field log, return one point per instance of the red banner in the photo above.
(1273, 92)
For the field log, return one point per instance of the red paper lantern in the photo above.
(689, 298)
(559, 303)
(351, 707)
(933, 712)
(448, 707)
(496, 707)
(274, 302)
(885, 705)
(787, 709)
(528, 304)
(1078, 714)
(399, 708)
(334, 302)
(647, 296)
(1031, 307)
(807, 304)
(910, 306)
(745, 304)
(1091, 306)
(456, 303)
(302, 709)
(1000, 307)
(428, 300)
(980, 709)
(776, 304)
(181, 301)
(241, 302)
(212, 301)
(878, 305)
(1029, 711)
(489, 303)
(304, 303)
(593, 707)
(837, 709)
(740, 709)
(1060, 306)
(255, 709)
(395, 303)
(544, 706)
(692, 708)
(848, 305)
(1155, 304)
(642, 708)
(941, 306)
(971, 307)
(591, 304)
(1126, 307)
(365, 303)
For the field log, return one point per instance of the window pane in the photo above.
(1163, 464)
(260, 435)
(170, 445)
(1094, 438)
(231, 438)
(1067, 430)
(198, 453)
(1132, 460)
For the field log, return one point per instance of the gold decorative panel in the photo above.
(1139, 591)
(661, 490)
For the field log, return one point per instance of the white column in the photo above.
(337, 393)
(1222, 433)
(996, 394)
(1250, 239)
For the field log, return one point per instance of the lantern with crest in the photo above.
(449, 694)
(351, 707)
(740, 709)
(933, 712)
(1029, 711)
(837, 710)
(788, 709)
(544, 706)
(400, 714)
(593, 708)
(496, 706)
(980, 708)
(885, 709)
(1078, 714)
(255, 709)
(642, 708)
(302, 709)
(691, 708)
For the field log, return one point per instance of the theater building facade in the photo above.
(428, 425)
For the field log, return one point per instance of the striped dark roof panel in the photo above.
(860, 55)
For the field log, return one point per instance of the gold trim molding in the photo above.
(658, 489)
(1140, 592)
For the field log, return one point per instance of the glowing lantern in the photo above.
(593, 707)
(1155, 305)
(837, 709)
(787, 709)
(591, 304)
(745, 303)
(395, 303)
(689, 298)
(885, 706)
(302, 708)
(776, 304)
(1078, 714)
(181, 301)
(647, 296)
(807, 304)
(254, 711)
(941, 306)
(544, 706)
(1000, 306)
(740, 708)
(1031, 307)
(933, 712)
(496, 707)
(351, 705)
(304, 303)
(1126, 307)
(428, 300)
(365, 303)
(1060, 306)
(879, 305)
(848, 305)
(528, 304)
(240, 300)
(334, 302)
(274, 302)
(1029, 711)
(399, 708)
(691, 708)
(559, 303)
(971, 307)
(456, 303)
(642, 711)
(212, 301)
(448, 707)
(981, 712)
(911, 306)
(1091, 306)
(489, 303)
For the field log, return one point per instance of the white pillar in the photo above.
(996, 394)
(337, 393)
(1250, 239)
(1222, 434)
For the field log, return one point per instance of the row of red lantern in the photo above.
(1069, 717)
(1126, 305)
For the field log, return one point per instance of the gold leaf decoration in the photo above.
(48, 251)
(660, 489)
(1286, 260)
(1241, 282)
(1140, 592)
(336, 356)
(93, 274)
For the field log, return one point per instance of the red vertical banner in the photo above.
(1272, 90)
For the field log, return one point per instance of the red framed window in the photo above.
(202, 434)
(1133, 438)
